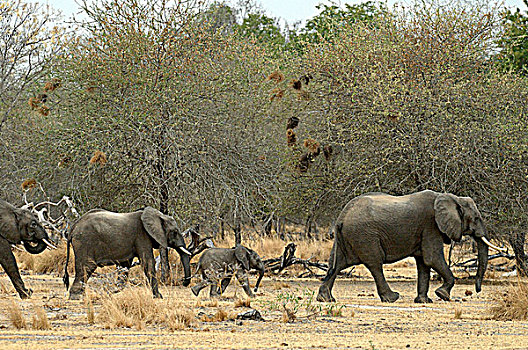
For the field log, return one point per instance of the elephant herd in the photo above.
(373, 229)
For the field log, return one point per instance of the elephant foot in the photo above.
(75, 296)
(25, 294)
(157, 295)
(324, 295)
(196, 290)
(442, 294)
(389, 297)
(422, 299)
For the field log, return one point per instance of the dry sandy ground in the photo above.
(366, 323)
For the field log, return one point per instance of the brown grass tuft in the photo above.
(243, 302)
(220, 315)
(134, 307)
(29, 184)
(458, 312)
(276, 76)
(88, 303)
(211, 303)
(15, 316)
(288, 316)
(291, 137)
(99, 158)
(511, 304)
(40, 319)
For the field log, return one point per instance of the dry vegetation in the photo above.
(136, 307)
(511, 303)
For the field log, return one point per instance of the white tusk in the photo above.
(18, 248)
(49, 244)
(185, 251)
(489, 244)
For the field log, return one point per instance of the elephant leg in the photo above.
(214, 291)
(424, 273)
(122, 277)
(384, 291)
(225, 282)
(83, 271)
(337, 262)
(164, 263)
(440, 266)
(9, 264)
(198, 287)
(149, 268)
(242, 277)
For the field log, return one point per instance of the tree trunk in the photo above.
(238, 235)
(517, 241)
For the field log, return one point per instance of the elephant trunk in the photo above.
(35, 249)
(482, 263)
(186, 262)
(261, 274)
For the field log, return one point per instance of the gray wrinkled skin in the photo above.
(377, 228)
(19, 226)
(102, 238)
(217, 266)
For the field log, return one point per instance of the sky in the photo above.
(289, 10)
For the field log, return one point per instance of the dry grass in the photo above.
(511, 304)
(14, 315)
(48, 262)
(458, 312)
(288, 315)
(243, 302)
(278, 285)
(134, 307)
(90, 311)
(220, 315)
(40, 319)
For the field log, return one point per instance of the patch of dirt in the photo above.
(365, 322)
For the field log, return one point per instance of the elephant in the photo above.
(219, 265)
(19, 225)
(102, 238)
(377, 228)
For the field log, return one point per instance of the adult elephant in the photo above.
(102, 238)
(19, 225)
(378, 228)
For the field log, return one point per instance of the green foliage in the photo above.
(302, 304)
(262, 28)
(514, 42)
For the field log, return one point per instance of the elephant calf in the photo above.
(218, 265)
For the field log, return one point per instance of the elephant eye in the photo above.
(33, 224)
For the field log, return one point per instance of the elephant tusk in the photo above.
(49, 244)
(489, 244)
(18, 248)
(185, 251)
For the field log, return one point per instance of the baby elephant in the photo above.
(218, 265)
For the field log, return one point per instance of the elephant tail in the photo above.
(331, 270)
(66, 278)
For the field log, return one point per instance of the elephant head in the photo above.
(250, 260)
(20, 225)
(164, 231)
(457, 216)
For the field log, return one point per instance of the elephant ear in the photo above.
(241, 253)
(9, 223)
(447, 216)
(152, 221)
